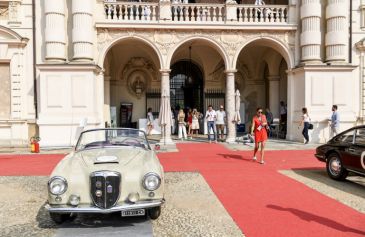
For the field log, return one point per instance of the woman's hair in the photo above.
(304, 110)
(258, 108)
(181, 111)
(149, 110)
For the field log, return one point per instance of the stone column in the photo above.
(361, 47)
(165, 10)
(274, 95)
(310, 38)
(82, 31)
(165, 86)
(55, 30)
(362, 14)
(107, 117)
(337, 31)
(231, 11)
(230, 106)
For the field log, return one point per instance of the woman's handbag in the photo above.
(310, 126)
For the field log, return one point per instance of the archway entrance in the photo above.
(186, 85)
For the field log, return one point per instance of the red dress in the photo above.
(260, 134)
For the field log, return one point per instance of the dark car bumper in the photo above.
(320, 157)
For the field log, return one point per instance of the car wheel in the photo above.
(154, 212)
(335, 168)
(59, 218)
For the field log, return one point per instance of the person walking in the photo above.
(149, 121)
(195, 122)
(221, 121)
(270, 119)
(182, 125)
(305, 122)
(190, 122)
(335, 121)
(211, 116)
(258, 129)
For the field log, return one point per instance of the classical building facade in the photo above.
(66, 61)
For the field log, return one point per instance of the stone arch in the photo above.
(117, 40)
(214, 44)
(9, 36)
(279, 46)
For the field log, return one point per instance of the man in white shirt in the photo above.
(211, 117)
(221, 121)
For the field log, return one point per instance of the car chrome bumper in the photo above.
(92, 209)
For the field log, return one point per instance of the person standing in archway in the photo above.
(149, 121)
(221, 121)
(211, 117)
(258, 129)
(182, 125)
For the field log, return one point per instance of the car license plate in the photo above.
(139, 212)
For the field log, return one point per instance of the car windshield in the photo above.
(99, 138)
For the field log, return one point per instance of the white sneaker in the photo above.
(254, 158)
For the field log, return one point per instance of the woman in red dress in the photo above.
(258, 129)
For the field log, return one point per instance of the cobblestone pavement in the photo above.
(191, 209)
(350, 192)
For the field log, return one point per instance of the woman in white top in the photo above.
(305, 121)
(182, 124)
(149, 121)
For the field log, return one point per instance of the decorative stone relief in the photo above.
(4, 12)
(138, 74)
(166, 40)
(13, 10)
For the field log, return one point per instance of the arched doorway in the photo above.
(186, 85)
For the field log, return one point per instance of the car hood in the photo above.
(111, 156)
(83, 163)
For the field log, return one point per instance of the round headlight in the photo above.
(57, 185)
(151, 181)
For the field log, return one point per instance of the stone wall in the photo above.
(4, 91)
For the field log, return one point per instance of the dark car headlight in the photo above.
(151, 181)
(57, 185)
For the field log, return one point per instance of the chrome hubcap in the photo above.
(335, 166)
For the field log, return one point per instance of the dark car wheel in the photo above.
(335, 168)
(154, 212)
(60, 218)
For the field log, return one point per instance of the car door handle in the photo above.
(352, 150)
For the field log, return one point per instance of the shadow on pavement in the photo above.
(306, 216)
(354, 185)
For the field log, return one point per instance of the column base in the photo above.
(231, 140)
(167, 141)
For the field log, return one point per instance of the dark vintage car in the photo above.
(344, 153)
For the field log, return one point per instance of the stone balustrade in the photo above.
(198, 12)
(145, 12)
(265, 13)
(131, 11)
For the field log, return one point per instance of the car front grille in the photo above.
(104, 188)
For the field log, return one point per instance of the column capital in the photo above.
(360, 46)
(274, 78)
(165, 71)
(230, 71)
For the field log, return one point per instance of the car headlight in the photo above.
(151, 181)
(57, 185)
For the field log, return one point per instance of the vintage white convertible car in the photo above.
(111, 170)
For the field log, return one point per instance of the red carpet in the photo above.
(260, 200)
(28, 165)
